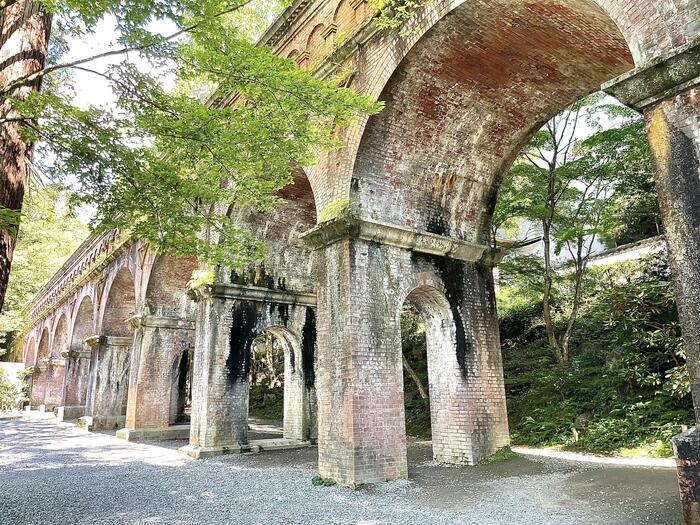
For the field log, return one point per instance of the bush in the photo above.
(625, 389)
(11, 394)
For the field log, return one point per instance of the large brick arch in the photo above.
(643, 31)
(166, 292)
(30, 352)
(39, 378)
(466, 98)
(288, 260)
(60, 339)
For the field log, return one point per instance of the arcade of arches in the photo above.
(463, 93)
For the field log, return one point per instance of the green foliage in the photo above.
(626, 386)
(394, 13)
(159, 163)
(501, 455)
(318, 481)
(266, 402)
(11, 393)
(339, 208)
(49, 234)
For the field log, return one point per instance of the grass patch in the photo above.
(502, 454)
(318, 481)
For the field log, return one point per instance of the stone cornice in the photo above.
(113, 340)
(157, 321)
(661, 79)
(347, 228)
(254, 293)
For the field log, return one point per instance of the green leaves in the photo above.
(165, 164)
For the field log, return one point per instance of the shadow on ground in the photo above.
(52, 473)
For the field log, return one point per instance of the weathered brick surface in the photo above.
(674, 135)
(463, 92)
(362, 290)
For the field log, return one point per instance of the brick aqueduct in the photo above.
(114, 332)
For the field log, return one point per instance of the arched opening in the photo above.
(56, 371)
(288, 260)
(181, 388)
(111, 355)
(120, 305)
(40, 375)
(30, 354)
(476, 93)
(78, 360)
(431, 372)
(278, 394)
(166, 294)
(316, 45)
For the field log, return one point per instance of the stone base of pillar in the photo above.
(255, 446)
(91, 423)
(197, 452)
(686, 448)
(148, 434)
(64, 413)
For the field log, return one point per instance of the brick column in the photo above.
(55, 376)
(159, 342)
(359, 382)
(76, 380)
(366, 273)
(225, 329)
(299, 373)
(668, 94)
(109, 382)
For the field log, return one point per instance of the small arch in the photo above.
(345, 15)
(442, 332)
(30, 353)
(293, 54)
(316, 43)
(120, 305)
(181, 387)
(276, 340)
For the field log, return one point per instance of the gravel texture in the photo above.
(52, 473)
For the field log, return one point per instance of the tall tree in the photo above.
(566, 180)
(25, 26)
(160, 162)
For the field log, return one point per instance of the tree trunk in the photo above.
(24, 36)
(546, 295)
(412, 374)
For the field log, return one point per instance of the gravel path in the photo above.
(51, 473)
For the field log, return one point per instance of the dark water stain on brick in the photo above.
(452, 274)
(244, 317)
(308, 348)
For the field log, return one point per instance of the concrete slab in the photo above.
(255, 445)
(148, 434)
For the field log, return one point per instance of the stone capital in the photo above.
(335, 230)
(159, 321)
(263, 295)
(662, 78)
(98, 340)
(76, 354)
